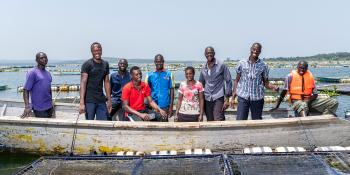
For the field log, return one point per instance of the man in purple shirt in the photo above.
(38, 85)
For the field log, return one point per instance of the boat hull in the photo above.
(55, 136)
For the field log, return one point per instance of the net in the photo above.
(117, 165)
(309, 163)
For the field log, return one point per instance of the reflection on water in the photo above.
(10, 163)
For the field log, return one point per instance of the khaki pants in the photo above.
(324, 106)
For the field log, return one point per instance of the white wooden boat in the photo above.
(70, 133)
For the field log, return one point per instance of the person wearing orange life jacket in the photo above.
(300, 84)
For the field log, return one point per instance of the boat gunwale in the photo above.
(95, 124)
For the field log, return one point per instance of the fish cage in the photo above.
(310, 163)
(120, 165)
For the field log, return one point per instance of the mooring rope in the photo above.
(311, 146)
(74, 135)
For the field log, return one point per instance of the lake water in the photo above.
(10, 163)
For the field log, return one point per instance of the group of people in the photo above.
(214, 92)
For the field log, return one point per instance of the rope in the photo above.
(137, 166)
(311, 146)
(74, 135)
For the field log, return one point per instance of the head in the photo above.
(96, 50)
(122, 65)
(41, 59)
(136, 74)
(209, 53)
(255, 50)
(302, 67)
(189, 73)
(159, 62)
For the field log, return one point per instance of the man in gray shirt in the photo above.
(217, 82)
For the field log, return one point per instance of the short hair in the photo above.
(190, 68)
(37, 56)
(121, 59)
(303, 63)
(95, 43)
(134, 68)
(160, 56)
(256, 43)
(209, 47)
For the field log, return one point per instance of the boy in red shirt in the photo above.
(133, 96)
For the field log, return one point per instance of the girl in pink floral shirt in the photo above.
(190, 103)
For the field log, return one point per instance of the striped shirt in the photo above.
(251, 83)
(214, 81)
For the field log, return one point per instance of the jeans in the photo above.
(98, 109)
(159, 118)
(256, 108)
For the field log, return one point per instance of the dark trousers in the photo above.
(98, 109)
(43, 114)
(255, 107)
(213, 110)
(188, 117)
(159, 118)
(118, 111)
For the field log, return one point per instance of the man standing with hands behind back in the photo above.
(95, 72)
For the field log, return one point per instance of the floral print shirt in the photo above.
(190, 101)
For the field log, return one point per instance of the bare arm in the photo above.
(171, 106)
(128, 109)
(201, 105)
(268, 85)
(83, 82)
(234, 94)
(155, 106)
(27, 109)
(279, 100)
(178, 105)
(108, 93)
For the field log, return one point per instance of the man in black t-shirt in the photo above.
(95, 72)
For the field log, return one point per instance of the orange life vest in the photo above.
(296, 89)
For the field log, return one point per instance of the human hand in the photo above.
(170, 112)
(226, 105)
(26, 112)
(163, 113)
(109, 106)
(81, 108)
(145, 117)
(200, 118)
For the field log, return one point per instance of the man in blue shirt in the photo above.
(118, 80)
(162, 86)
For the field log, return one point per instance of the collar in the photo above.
(142, 85)
(163, 70)
(206, 64)
(257, 61)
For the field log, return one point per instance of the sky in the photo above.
(179, 30)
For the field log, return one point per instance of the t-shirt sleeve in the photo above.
(181, 88)
(147, 90)
(107, 68)
(200, 87)
(239, 68)
(30, 79)
(85, 67)
(287, 81)
(266, 72)
(172, 81)
(126, 93)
